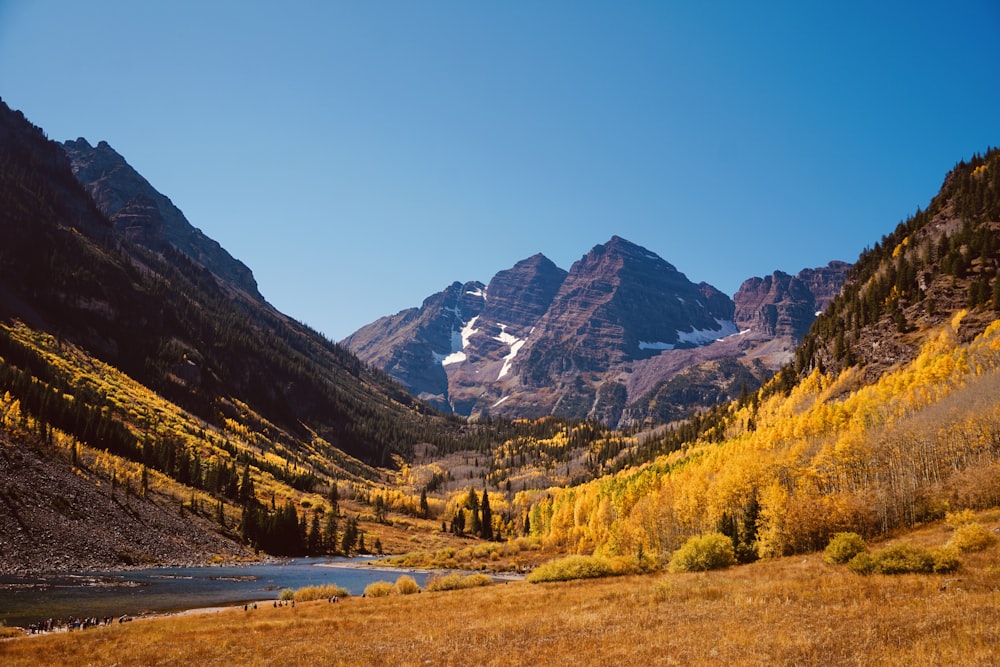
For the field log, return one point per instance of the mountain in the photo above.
(139, 364)
(889, 417)
(614, 338)
(411, 344)
(170, 307)
(784, 305)
(145, 217)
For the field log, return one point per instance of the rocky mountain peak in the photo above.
(589, 341)
(618, 304)
(518, 296)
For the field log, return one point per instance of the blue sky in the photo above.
(360, 156)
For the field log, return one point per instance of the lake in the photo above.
(26, 600)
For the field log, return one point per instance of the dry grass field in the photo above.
(789, 611)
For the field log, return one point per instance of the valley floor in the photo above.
(796, 610)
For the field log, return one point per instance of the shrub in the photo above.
(958, 519)
(324, 592)
(905, 559)
(862, 563)
(946, 560)
(710, 551)
(406, 585)
(287, 595)
(663, 590)
(450, 582)
(843, 547)
(574, 567)
(972, 537)
(379, 589)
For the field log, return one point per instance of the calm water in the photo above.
(26, 600)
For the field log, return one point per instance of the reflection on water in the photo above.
(26, 600)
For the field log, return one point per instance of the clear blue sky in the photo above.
(360, 156)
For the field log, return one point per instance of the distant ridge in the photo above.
(598, 341)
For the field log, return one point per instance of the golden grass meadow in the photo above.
(796, 610)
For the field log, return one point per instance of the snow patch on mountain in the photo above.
(460, 341)
(515, 344)
(696, 337)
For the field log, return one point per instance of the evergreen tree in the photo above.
(487, 527)
(247, 493)
(330, 534)
(425, 509)
(472, 502)
(350, 536)
(458, 522)
(334, 498)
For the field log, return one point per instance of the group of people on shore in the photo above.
(73, 623)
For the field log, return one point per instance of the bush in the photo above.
(946, 560)
(450, 582)
(287, 595)
(710, 551)
(862, 563)
(958, 519)
(843, 547)
(575, 567)
(379, 589)
(324, 592)
(406, 585)
(972, 537)
(905, 559)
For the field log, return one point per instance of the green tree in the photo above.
(334, 498)
(425, 509)
(314, 542)
(247, 493)
(487, 527)
(330, 534)
(472, 503)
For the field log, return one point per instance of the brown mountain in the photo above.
(599, 341)
(784, 305)
(411, 344)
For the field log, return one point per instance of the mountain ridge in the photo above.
(594, 341)
(147, 218)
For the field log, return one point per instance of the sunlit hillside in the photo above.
(792, 470)
(890, 417)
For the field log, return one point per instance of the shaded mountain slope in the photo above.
(169, 320)
(145, 217)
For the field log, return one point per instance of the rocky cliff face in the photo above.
(622, 336)
(147, 218)
(621, 302)
(784, 305)
(416, 345)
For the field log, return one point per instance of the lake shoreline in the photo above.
(142, 592)
(378, 566)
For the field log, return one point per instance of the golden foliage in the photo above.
(822, 460)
